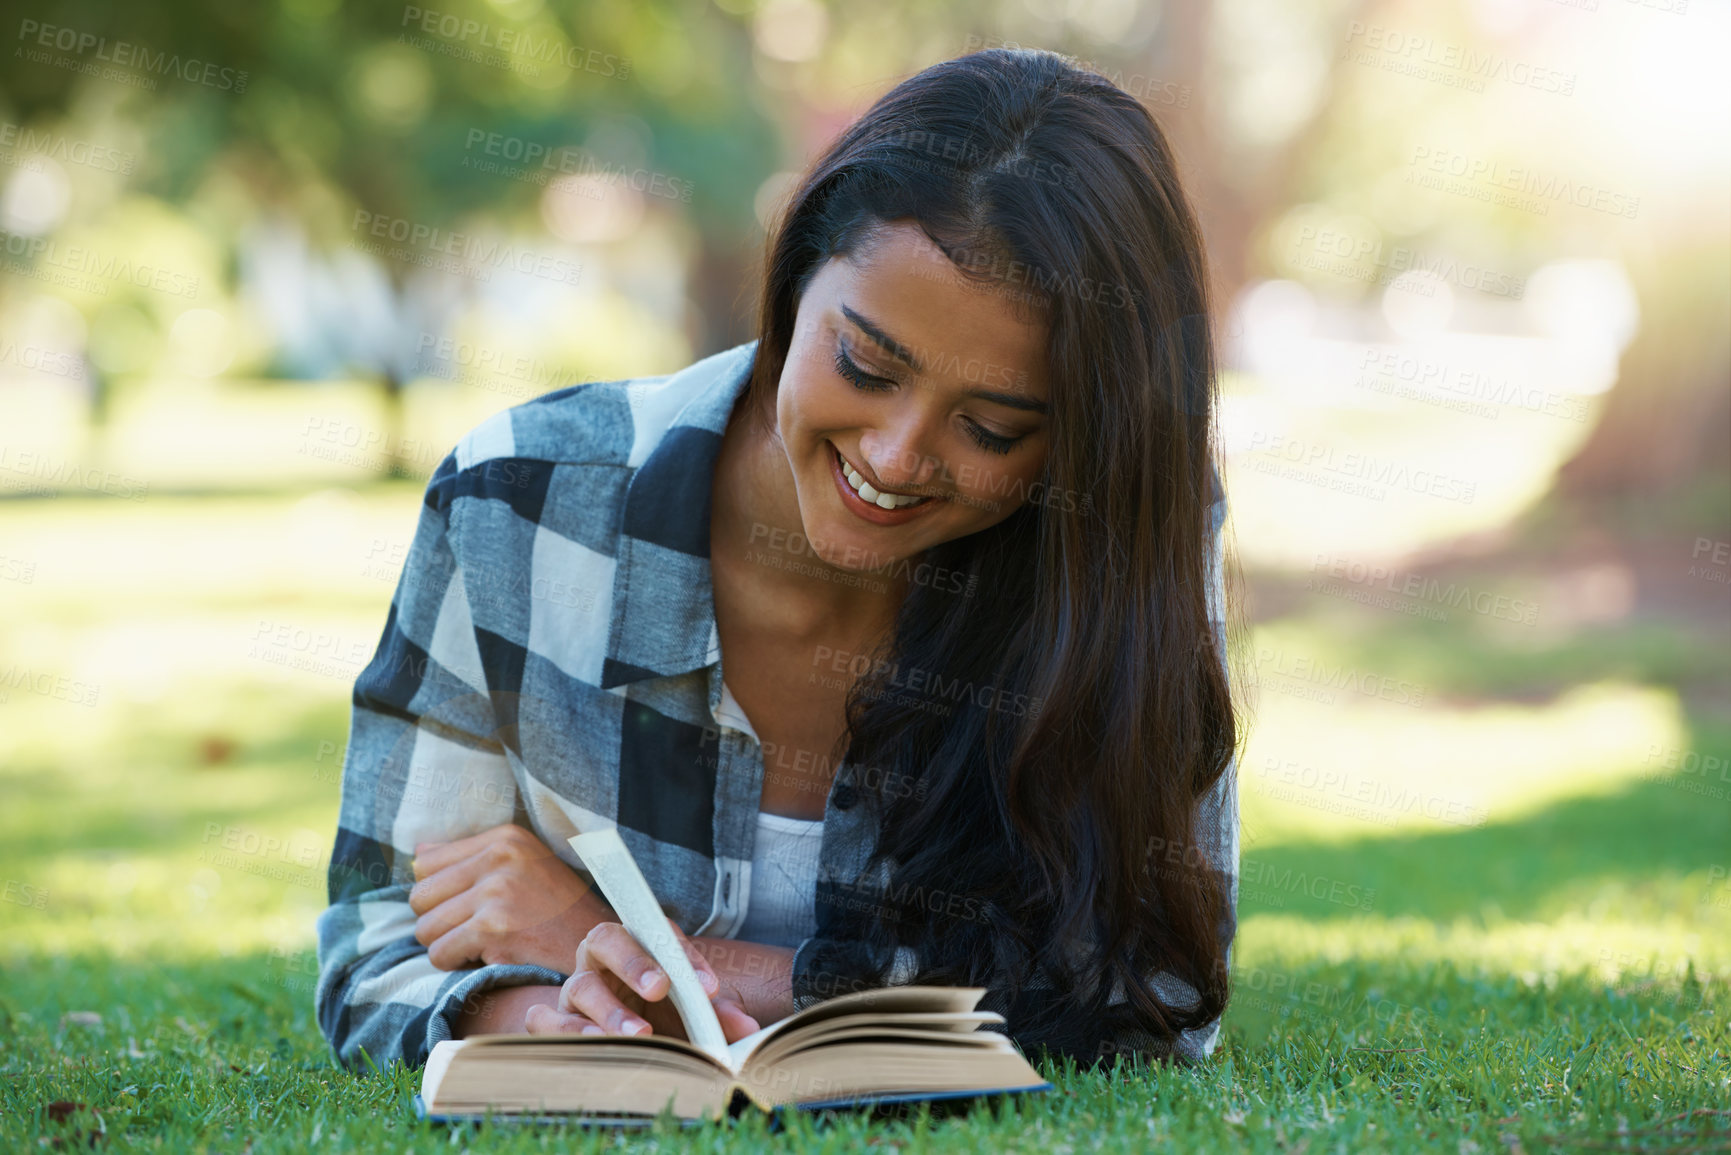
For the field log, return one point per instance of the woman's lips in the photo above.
(867, 511)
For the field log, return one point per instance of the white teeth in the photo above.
(870, 493)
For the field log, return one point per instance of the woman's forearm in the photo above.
(760, 976)
(500, 1011)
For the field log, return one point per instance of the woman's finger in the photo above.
(542, 1019)
(432, 857)
(610, 947)
(457, 947)
(705, 973)
(446, 917)
(445, 883)
(588, 993)
(735, 1023)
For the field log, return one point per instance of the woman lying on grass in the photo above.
(951, 527)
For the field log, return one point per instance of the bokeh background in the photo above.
(261, 265)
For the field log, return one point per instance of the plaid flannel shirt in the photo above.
(550, 658)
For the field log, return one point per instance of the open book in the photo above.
(895, 1044)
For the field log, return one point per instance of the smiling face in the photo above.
(912, 406)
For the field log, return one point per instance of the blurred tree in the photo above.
(1667, 421)
(325, 110)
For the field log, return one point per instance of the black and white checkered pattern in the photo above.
(551, 659)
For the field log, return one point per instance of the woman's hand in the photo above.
(500, 896)
(617, 988)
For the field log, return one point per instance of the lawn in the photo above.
(1495, 918)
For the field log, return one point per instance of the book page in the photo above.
(957, 1001)
(607, 858)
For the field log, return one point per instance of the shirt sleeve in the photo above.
(824, 964)
(423, 764)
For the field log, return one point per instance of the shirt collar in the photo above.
(663, 620)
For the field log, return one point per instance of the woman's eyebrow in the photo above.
(890, 345)
(1011, 400)
(906, 356)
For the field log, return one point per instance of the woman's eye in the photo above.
(989, 441)
(859, 377)
(871, 383)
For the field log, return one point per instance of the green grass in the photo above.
(1551, 978)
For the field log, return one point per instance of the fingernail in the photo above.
(709, 981)
(648, 979)
(592, 1029)
(635, 1026)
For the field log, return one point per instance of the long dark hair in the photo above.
(1088, 711)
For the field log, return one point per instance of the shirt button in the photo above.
(845, 796)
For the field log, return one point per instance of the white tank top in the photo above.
(782, 907)
(781, 903)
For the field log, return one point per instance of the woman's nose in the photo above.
(898, 455)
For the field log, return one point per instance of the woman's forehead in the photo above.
(917, 308)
